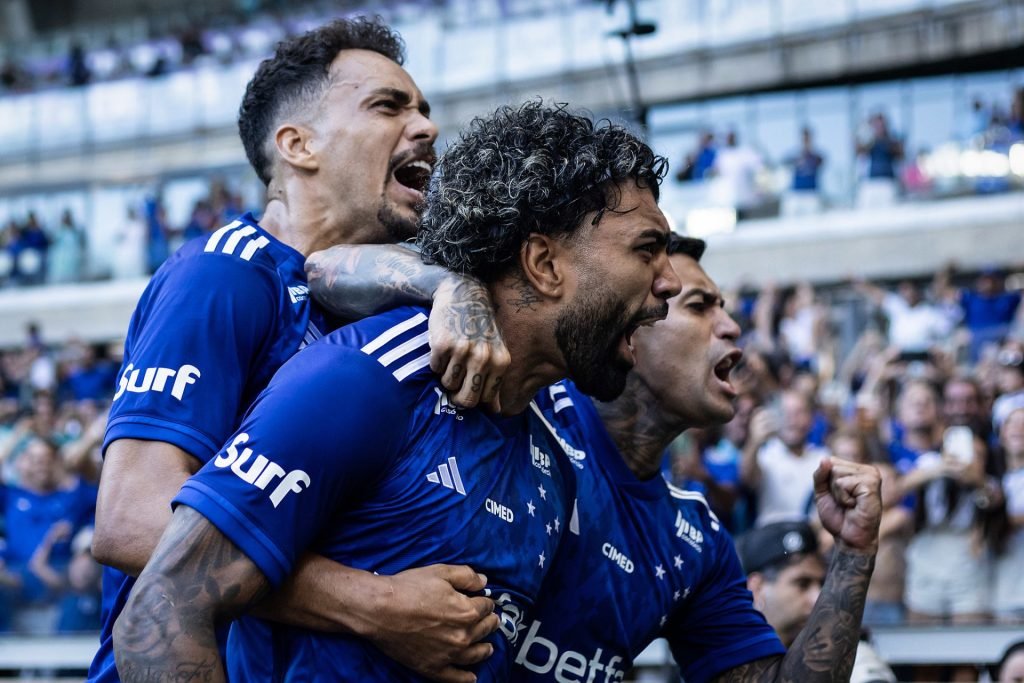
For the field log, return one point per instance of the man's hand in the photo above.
(849, 500)
(466, 349)
(426, 622)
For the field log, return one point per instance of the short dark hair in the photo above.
(532, 168)
(687, 246)
(299, 71)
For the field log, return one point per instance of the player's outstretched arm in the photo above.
(849, 501)
(354, 281)
(196, 577)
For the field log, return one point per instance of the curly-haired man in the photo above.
(355, 448)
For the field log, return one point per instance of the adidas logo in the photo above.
(448, 476)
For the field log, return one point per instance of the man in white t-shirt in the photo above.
(915, 325)
(778, 463)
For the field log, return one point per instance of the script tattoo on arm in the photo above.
(525, 297)
(354, 281)
(826, 648)
(195, 577)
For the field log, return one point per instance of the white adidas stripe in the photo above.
(403, 349)
(412, 366)
(680, 494)
(448, 476)
(562, 404)
(393, 332)
(211, 244)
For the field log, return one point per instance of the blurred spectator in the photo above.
(951, 499)
(778, 462)
(698, 164)
(1009, 382)
(30, 251)
(785, 573)
(881, 152)
(735, 172)
(803, 197)
(80, 606)
(988, 309)
(129, 260)
(1008, 591)
(1011, 667)
(41, 513)
(801, 326)
(158, 232)
(84, 376)
(914, 178)
(77, 69)
(962, 406)
(915, 325)
(67, 254)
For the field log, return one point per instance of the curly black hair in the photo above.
(687, 246)
(298, 73)
(533, 168)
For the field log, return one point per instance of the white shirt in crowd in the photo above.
(787, 481)
(914, 328)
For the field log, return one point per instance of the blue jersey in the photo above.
(355, 453)
(214, 324)
(643, 560)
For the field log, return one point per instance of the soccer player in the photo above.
(644, 559)
(341, 136)
(354, 448)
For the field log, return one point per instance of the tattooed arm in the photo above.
(196, 577)
(849, 502)
(353, 281)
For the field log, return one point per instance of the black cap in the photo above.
(768, 545)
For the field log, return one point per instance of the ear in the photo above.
(544, 261)
(755, 584)
(294, 144)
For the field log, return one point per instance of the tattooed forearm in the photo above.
(196, 575)
(353, 281)
(826, 648)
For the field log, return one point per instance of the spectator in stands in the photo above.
(129, 259)
(963, 406)
(1011, 667)
(1009, 381)
(884, 604)
(952, 497)
(988, 309)
(699, 164)
(803, 197)
(80, 606)
(32, 248)
(1008, 591)
(785, 573)
(881, 153)
(735, 172)
(67, 254)
(915, 325)
(914, 178)
(78, 72)
(45, 508)
(778, 462)
(85, 376)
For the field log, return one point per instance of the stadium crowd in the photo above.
(930, 358)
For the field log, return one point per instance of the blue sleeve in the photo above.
(325, 430)
(199, 331)
(720, 629)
